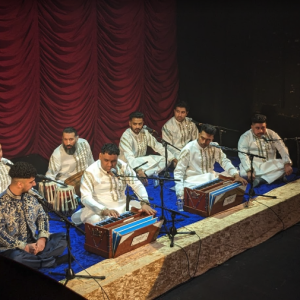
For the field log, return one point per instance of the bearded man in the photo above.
(72, 156)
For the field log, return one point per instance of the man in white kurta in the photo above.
(72, 156)
(179, 130)
(5, 179)
(255, 141)
(103, 193)
(196, 162)
(133, 148)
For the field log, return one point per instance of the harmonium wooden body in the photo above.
(213, 197)
(116, 236)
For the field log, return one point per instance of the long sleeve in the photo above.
(127, 149)
(180, 171)
(243, 145)
(54, 165)
(224, 162)
(282, 149)
(87, 189)
(168, 137)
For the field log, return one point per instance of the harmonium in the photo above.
(116, 236)
(214, 196)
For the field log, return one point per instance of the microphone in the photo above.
(266, 139)
(43, 177)
(215, 145)
(134, 169)
(114, 171)
(196, 122)
(7, 162)
(149, 129)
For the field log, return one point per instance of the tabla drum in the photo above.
(48, 191)
(74, 180)
(65, 200)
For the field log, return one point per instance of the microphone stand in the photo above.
(172, 230)
(221, 129)
(251, 157)
(69, 271)
(165, 144)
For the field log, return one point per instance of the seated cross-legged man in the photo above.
(196, 162)
(103, 193)
(255, 141)
(24, 225)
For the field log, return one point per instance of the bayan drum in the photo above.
(48, 191)
(65, 200)
(74, 180)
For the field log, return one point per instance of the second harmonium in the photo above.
(213, 197)
(116, 236)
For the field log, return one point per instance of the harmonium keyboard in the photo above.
(116, 236)
(213, 197)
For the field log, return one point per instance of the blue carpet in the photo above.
(85, 259)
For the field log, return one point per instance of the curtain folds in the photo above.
(86, 64)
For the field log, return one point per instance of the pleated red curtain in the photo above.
(83, 63)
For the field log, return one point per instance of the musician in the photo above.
(72, 156)
(197, 159)
(103, 193)
(4, 168)
(24, 226)
(133, 148)
(269, 169)
(179, 130)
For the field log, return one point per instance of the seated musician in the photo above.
(133, 147)
(4, 168)
(24, 226)
(269, 169)
(103, 193)
(179, 130)
(72, 156)
(196, 162)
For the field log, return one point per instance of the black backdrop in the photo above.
(236, 59)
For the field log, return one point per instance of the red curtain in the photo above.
(86, 64)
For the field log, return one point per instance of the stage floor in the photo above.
(152, 270)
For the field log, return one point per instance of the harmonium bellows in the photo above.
(213, 197)
(116, 236)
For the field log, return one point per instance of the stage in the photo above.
(152, 270)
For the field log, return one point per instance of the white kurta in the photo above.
(133, 148)
(196, 165)
(179, 134)
(270, 168)
(99, 190)
(63, 165)
(5, 179)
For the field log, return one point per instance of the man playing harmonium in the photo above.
(4, 169)
(72, 156)
(256, 141)
(196, 162)
(133, 147)
(179, 130)
(103, 192)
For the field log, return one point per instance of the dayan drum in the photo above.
(74, 180)
(65, 200)
(48, 191)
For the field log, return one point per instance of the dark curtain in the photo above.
(86, 64)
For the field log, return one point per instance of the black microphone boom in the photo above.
(196, 122)
(135, 168)
(149, 129)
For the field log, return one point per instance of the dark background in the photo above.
(236, 59)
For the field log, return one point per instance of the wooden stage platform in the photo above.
(152, 270)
